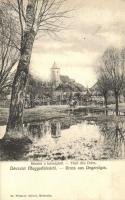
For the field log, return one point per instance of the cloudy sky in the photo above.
(94, 26)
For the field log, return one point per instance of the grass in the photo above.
(121, 107)
(41, 113)
(36, 114)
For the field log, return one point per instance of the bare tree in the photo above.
(103, 85)
(33, 16)
(8, 52)
(114, 64)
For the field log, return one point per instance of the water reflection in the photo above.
(107, 140)
(52, 140)
(55, 130)
(69, 138)
(114, 140)
(37, 130)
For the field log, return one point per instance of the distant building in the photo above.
(55, 75)
(64, 79)
(60, 90)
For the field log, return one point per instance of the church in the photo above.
(59, 90)
(55, 75)
(57, 78)
(63, 86)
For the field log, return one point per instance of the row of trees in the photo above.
(111, 74)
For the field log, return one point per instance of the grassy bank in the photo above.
(36, 114)
(41, 113)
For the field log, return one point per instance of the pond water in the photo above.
(62, 139)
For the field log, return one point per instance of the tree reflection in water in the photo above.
(36, 131)
(80, 139)
(114, 140)
(55, 129)
(112, 144)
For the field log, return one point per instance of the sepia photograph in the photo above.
(62, 80)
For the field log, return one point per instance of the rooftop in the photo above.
(55, 66)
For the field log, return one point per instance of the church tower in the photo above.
(55, 74)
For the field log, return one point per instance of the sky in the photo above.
(93, 26)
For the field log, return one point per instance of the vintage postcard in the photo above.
(62, 99)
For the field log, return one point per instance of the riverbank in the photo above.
(75, 135)
(41, 113)
(38, 113)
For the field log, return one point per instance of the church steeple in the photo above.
(54, 65)
(55, 74)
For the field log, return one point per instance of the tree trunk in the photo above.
(116, 104)
(15, 121)
(106, 103)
